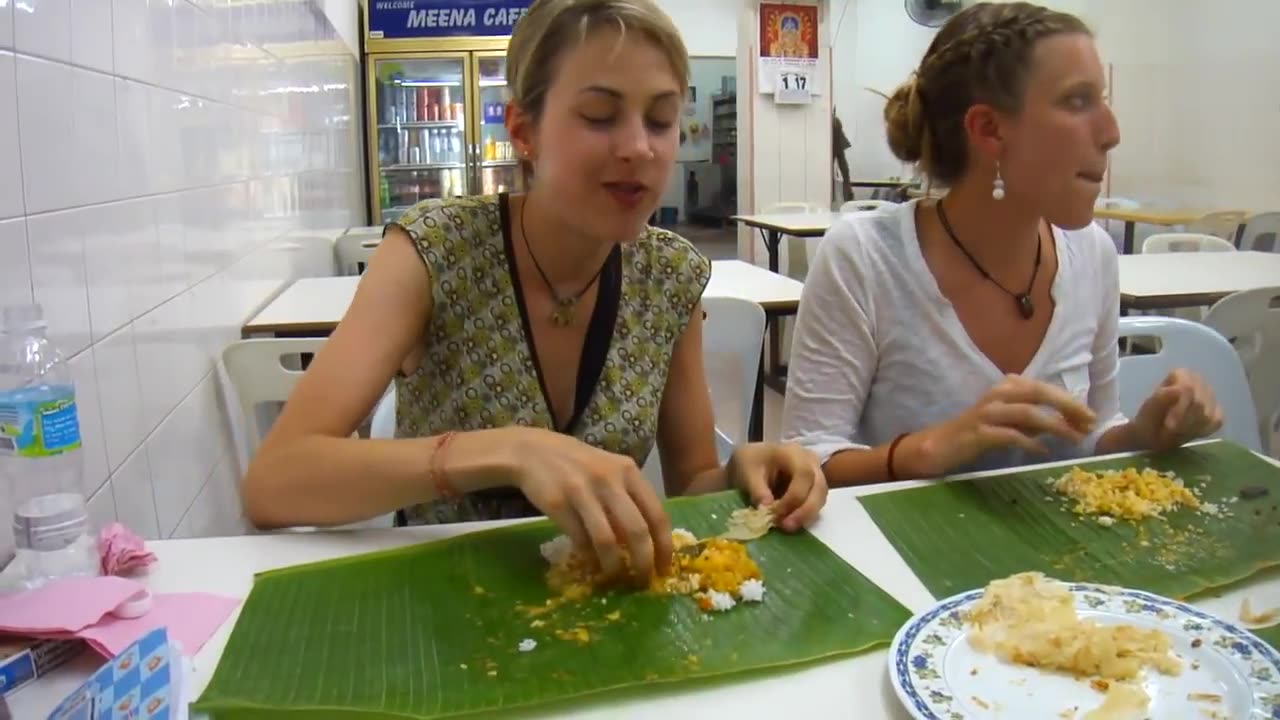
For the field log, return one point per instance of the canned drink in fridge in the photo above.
(408, 98)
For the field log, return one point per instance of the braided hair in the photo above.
(982, 55)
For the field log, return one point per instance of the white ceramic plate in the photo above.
(938, 676)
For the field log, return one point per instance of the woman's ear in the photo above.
(983, 125)
(520, 127)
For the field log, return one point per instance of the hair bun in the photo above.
(905, 122)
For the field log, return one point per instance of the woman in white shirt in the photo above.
(980, 331)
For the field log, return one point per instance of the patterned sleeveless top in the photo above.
(478, 370)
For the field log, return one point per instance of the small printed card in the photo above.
(144, 682)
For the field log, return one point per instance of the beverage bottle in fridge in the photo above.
(459, 188)
(455, 142)
(410, 104)
(384, 193)
(437, 146)
(40, 460)
(490, 148)
(403, 137)
(447, 178)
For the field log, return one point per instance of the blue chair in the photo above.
(1195, 347)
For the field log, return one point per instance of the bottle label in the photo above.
(39, 428)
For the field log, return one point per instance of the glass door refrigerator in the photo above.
(435, 98)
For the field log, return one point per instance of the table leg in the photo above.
(1128, 237)
(773, 240)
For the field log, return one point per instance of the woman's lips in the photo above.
(626, 194)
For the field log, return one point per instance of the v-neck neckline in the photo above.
(911, 238)
(598, 341)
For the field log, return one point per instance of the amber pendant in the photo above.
(1026, 307)
(562, 316)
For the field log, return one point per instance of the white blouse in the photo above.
(879, 351)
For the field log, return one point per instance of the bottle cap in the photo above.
(24, 317)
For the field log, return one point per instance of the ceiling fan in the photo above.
(932, 13)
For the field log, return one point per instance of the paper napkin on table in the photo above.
(81, 608)
(121, 551)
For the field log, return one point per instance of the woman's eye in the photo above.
(595, 121)
(659, 125)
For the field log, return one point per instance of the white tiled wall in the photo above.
(160, 163)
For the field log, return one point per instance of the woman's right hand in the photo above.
(599, 499)
(1013, 413)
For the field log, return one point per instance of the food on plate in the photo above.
(1029, 619)
(1249, 617)
(718, 573)
(1122, 702)
(1128, 494)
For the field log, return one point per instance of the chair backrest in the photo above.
(1186, 242)
(351, 252)
(1195, 347)
(732, 341)
(861, 205)
(1262, 233)
(265, 370)
(383, 425)
(732, 338)
(1224, 224)
(1250, 321)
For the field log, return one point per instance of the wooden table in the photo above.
(313, 307)
(1147, 216)
(855, 688)
(1170, 280)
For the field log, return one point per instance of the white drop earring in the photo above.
(997, 187)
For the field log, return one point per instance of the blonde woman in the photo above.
(540, 343)
(979, 331)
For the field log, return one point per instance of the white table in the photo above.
(317, 305)
(313, 307)
(773, 226)
(1169, 280)
(856, 688)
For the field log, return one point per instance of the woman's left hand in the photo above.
(762, 470)
(1180, 410)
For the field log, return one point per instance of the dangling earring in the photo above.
(997, 188)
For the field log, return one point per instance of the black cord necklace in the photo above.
(562, 315)
(1025, 305)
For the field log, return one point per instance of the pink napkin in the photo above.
(121, 550)
(190, 619)
(81, 608)
(66, 605)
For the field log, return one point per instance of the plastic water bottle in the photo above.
(40, 454)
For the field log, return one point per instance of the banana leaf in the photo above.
(1270, 635)
(960, 535)
(432, 630)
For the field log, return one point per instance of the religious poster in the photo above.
(788, 41)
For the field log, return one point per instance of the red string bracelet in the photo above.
(438, 477)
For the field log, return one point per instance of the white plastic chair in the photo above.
(352, 252)
(863, 205)
(1194, 347)
(266, 370)
(1250, 321)
(1262, 233)
(1224, 224)
(732, 340)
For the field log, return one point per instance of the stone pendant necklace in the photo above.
(562, 315)
(1026, 307)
